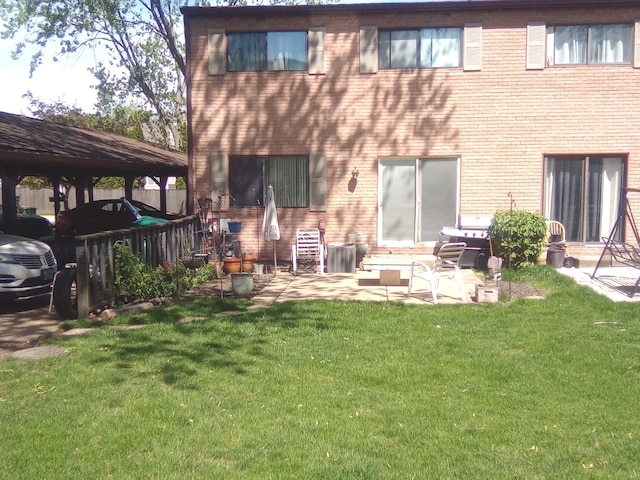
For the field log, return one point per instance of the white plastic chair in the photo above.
(447, 265)
(557, 234)
(308, 246)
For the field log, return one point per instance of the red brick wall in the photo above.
(500, 121)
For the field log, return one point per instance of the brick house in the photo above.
(393, 119)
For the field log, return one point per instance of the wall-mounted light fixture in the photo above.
(355, 173)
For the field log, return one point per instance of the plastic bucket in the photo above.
(555, 255)
(241, 284)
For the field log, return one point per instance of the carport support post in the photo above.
(163, 193)
(9, 206)
(82, 281)
(80, 184)
(56, 195)
(128, 187)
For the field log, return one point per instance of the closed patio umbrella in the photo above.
(270, 227)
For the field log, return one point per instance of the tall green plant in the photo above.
(518, 236)
(137, 282)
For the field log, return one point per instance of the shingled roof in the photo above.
(36, 147)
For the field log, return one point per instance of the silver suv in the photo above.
(27, 268)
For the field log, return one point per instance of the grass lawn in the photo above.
(337, 390)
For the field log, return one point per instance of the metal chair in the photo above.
(447, 265)
(53, 286)
(308, 246)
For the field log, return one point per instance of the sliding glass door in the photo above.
(583, 192)
(417, 197)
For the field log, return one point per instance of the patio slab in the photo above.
(363, 285)
(615, 283)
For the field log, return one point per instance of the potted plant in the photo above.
(231, 265)
(248, 259)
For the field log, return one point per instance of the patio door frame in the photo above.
(585, 195)
(417, 199)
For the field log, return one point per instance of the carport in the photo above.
(32, 147)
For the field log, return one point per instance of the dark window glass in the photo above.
(289, 176)
(425, 48)
(250, 52)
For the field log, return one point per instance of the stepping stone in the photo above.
(76, 332)
(36, 353)
(192, 319)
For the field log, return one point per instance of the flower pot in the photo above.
(247, 266)
(231, 265)
(361, 251)
(248, 261)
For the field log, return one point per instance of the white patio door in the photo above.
(417, 197)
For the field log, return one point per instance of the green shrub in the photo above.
(519, 236)
(204, 274)
(137, 282)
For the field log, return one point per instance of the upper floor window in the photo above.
(249, 52)
(594, 44)
(424, 48)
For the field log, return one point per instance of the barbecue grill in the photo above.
(474, 231)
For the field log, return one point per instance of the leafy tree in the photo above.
(123, 121)
(145, 64)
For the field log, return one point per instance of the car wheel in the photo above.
(65, 298)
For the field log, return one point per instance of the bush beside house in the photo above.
(518, 236)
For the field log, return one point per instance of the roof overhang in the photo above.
(437, 6)
(30, 146)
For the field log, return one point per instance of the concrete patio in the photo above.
(616, 282)
(362, 285)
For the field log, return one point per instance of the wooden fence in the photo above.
(96, 262)
(40, 199)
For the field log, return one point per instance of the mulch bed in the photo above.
(520, 290)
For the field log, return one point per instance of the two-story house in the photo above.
(393, 119)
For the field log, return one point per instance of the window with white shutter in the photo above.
(535, 46)
(316, 59)
(217, 47)
(368, 49)
(317, 182)
(219, 174)
(472, 47)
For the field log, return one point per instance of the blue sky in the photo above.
(67, 80)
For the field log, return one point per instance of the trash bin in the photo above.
(555, 255)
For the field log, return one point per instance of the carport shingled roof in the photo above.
(36, 147)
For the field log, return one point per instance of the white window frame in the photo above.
(270, 64)
(419, 48)
(585, 195)
(551, 45)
